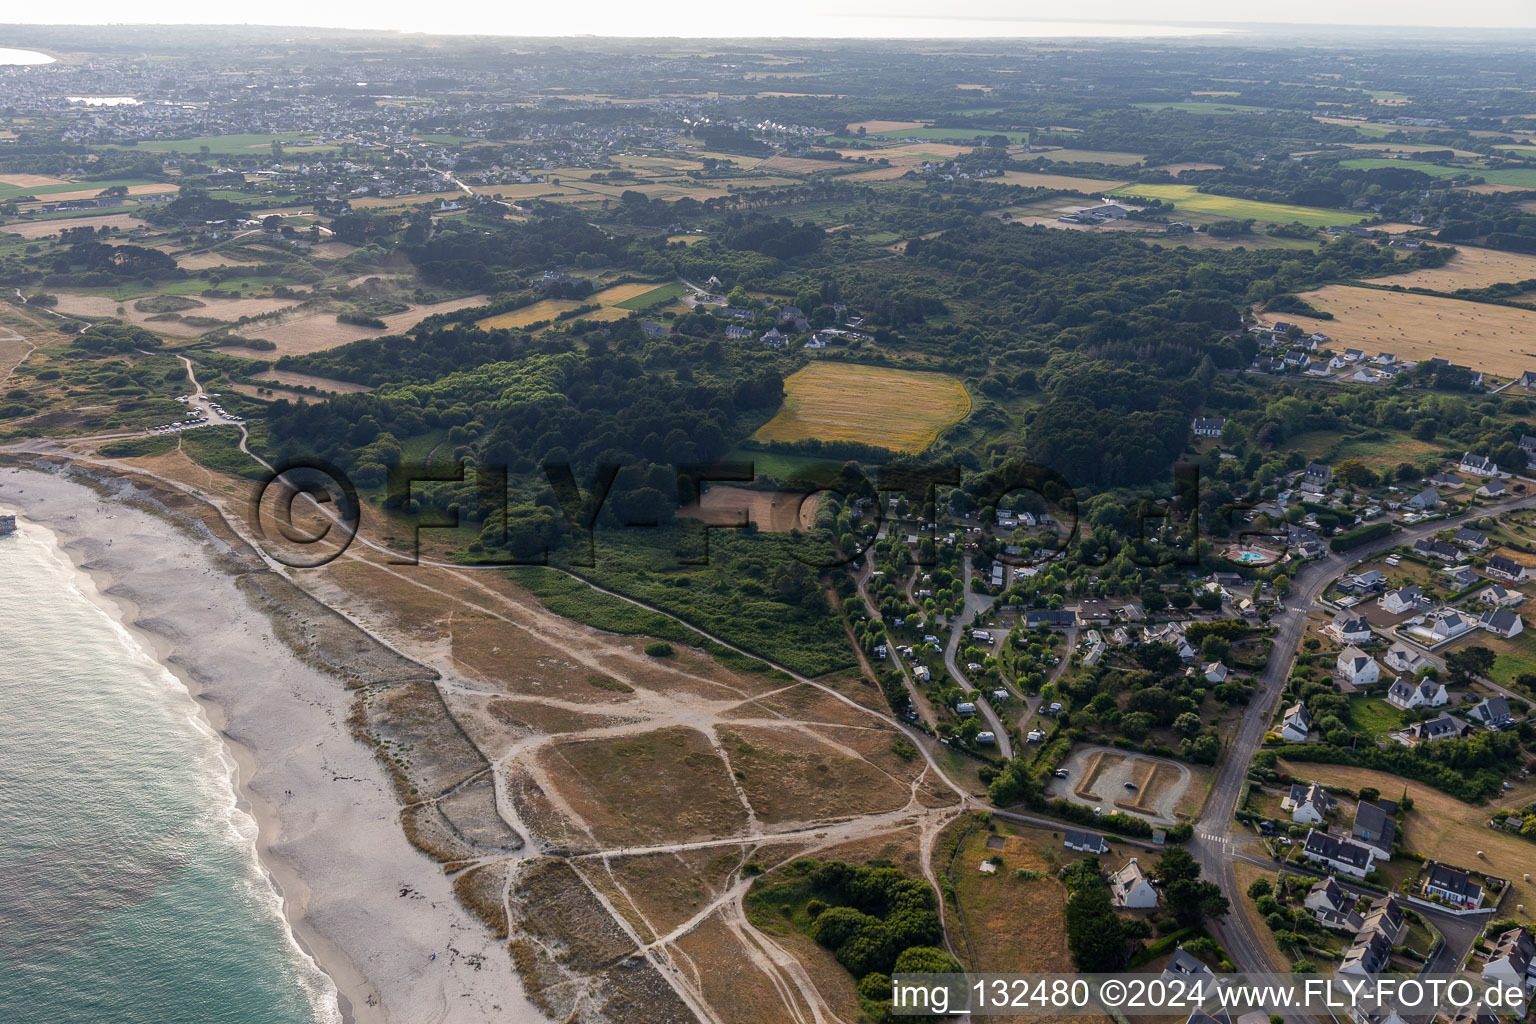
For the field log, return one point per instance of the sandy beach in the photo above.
(376, 914)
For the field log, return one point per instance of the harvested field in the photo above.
(618, 293)
(46, 228)
(909, 155)
(320, 331)
(384, 202)
(1087, 186)
(799, 165)
(1441, 827)
(871, 127)
(30, 180)
(545, 309)
(152, 189)
(774, 511)
(879, 173)
(340, 387)
(1470, 268)
(902, 410)
(1492, 339)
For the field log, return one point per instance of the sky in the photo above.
(812, 18)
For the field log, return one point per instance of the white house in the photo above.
(1501, 568)
(1403, 599)
(1479, 465)
(1333, 906)
(1130, 887)
(1344, 855)
(1426, 693)
(1494, 713)
(1208, 427)
(1358, 668)
(1350, 628)
(1512, 959)
(1501, 622)
(1404, 659)
(1308, 804)
(1499, 597)
(1454, 886)
(1084, 842)
(1296, 724)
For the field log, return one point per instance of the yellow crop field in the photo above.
(1494, 339)
(903, 410)
(1470, 268)
(620, 293)
(546, 309)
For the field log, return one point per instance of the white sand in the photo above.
(335, 848)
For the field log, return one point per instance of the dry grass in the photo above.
(1030, 179)
(887, 126)
(1441, 827)
(45, 228)
(1007, 925)
(320, 331)
(774, 511)
(902, 410)
(92, 193)
(545, 309)
(1486, 338)
(1470, 268)
(661, 786)
(215, 308)
(341, 387)
(30, 180)
(384, 202)
(790, 777)
(879, 173)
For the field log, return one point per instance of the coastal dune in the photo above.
(377, 915)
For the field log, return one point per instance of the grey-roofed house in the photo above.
(1308, 804)
(1504, 568)
(1369, 954)
(1425, 499)
(1512, 959)
(1501, 622)
(1443, 728)
(1428, 547)
(1344, 855)
(1083, 842)
(1402, 600)
(1454, 886)
(1375, 828)
(1333, 905)
(1494, 713)
(1470, 539)
(1064, 618)
(1350, 628)
(1402, 658)
(1407, 693)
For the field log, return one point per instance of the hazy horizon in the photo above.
(873, 19)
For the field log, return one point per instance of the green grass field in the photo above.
(9, 192)
(1189, 200)
(1524, 177)
(1373, 715)
(1192, 107)
(239, 144)
(655, 297)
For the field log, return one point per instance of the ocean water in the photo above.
(129, 886)
(23, 58)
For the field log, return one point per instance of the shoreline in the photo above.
(375, 915)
